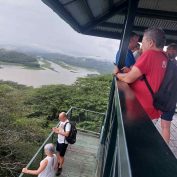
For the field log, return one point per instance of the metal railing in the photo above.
(113, 153)
(87, 120)
(84, 120)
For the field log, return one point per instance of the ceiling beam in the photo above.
(85, 3)
(67, 3)
(169, 41)
(135, 28)
(110, 3)
(121, 5)
(106, 34)
(117, 35)
(88, 9)
(126, 32)
(157, 14)
(59, 9)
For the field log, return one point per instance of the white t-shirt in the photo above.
(136, 54)
(49, 170)
(61, 138)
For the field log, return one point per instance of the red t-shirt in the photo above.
(153, 64)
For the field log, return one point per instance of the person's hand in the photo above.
(24, 170)
(54, 129)
(60, 129)
(125, 69)
(121, 76)
(57, 130)
(116, 70)
(117, 75)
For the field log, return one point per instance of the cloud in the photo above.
(20, 3)
(31, 22)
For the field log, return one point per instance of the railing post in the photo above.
(52, 138)
(42, 156)
(87, 115)
(129, 21)
(69, 113)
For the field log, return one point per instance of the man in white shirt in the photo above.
(63, 131)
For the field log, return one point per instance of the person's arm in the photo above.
(116, 69)
(126, 69)
(56, 162)
(38, 171)
(64, 133)
(67, 129)
(60, 131)
(55, 130)
(131, 76)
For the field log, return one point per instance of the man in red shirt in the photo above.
(152, 63)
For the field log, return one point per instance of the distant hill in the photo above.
(103, 67)
(28, 57)
(99, 64)
(10, 56)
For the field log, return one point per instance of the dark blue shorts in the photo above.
(168, 115)
(61, 148)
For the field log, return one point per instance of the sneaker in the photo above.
(59, 171)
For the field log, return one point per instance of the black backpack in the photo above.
(71, 139)
(166, 97)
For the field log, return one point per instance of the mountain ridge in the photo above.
(29, 58)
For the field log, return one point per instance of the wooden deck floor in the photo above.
(173, 139)
(80, 158)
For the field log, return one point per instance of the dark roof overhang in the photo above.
(106, 18)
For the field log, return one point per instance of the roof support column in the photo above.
(128, 26)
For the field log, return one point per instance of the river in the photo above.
(45, 76)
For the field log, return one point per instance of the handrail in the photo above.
(94, 112)
(88, 110)
(88, 131)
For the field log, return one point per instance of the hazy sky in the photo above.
(32, 23)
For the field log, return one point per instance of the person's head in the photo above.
(62, 116)
(137, 47)
(172, 51)
(153, 38)
(133, 40)
(49, 149)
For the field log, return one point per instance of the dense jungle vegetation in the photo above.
(25, 113)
